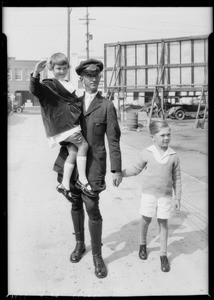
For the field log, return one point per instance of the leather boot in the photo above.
(95, 229)
(78, 223)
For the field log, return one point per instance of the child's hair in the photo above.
(57, 59)
(156, 126)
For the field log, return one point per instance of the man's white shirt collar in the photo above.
(88, 99)
(90, 96)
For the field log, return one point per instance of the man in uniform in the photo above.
(99, 119)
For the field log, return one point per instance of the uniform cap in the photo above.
(90, 67)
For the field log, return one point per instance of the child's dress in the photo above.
(60, 108)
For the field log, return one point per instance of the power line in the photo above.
(89, 36)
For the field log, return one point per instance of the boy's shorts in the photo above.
(152, 206)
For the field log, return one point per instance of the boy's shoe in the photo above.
(165, 267)
(143, 252)
(84, 189)
(61, 189)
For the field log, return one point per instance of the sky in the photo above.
(35, 33)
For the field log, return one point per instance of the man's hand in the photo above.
(75, 138)
(117, 178)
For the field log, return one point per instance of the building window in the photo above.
(135, 95)
(18, 74)
(9, 74)
(27, 74)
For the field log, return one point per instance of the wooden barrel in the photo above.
(132, 120)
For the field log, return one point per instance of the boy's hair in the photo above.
(57, 59)
(156, 126)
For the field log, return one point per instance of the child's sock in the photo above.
(143, 231)
(81, 166)
(68, 169)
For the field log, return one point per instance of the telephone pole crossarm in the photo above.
(88, 35)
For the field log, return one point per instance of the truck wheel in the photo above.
(179, 114)
(19, 110)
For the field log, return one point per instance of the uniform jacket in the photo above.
(98, 122)
(60, 109)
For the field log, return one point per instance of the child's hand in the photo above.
(40, 66)
(177, 204)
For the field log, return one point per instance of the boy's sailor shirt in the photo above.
(161, 173)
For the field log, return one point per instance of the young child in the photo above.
(161, 175)
(61, 109)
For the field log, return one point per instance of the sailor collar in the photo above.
(161, 158)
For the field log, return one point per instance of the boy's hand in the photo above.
(177, 204)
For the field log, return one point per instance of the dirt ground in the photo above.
(40, 231)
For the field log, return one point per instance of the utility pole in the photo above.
(88, 35)
(68, 37)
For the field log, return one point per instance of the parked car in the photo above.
(178, 110)
(182, 110)
(17, 106)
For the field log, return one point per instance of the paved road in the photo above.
(40, 235)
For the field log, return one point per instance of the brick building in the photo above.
(19, 78)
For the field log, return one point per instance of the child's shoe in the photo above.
(143, 252)
(165, 267)
(84, 189)
(61, 189)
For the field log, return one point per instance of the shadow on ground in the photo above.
(127, 239)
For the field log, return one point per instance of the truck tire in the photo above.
(179, 114)
(18, 109)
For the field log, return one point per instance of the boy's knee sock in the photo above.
(163, 230)
(81, 166)
(163, 243)
(68, 169)
(144, 225)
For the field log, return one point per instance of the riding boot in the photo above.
(95, 229)
(78, 223)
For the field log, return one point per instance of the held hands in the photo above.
(177, 204)
(117, 178)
